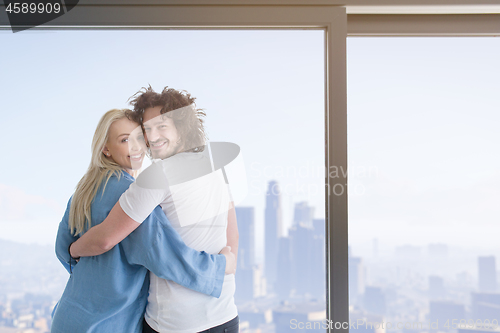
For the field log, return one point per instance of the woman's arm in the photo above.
(63, 240)
(118, 225)
(158, 247)
(104, 236)
(232, 230)
(133, 207)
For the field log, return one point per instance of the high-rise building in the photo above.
(245, 290)
(303, 214)
(249, 277)
(442, 313)
(487, 274)
(318, 269)
(284, 287)
(318, 260)
(436, 287)
(374, 300)
(356, 279)
(273, 231)
(319, 227)
(485, 306)
(301, 245)
(308, 274)
(246, 230)
(250, 284)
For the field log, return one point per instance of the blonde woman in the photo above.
(108, 293)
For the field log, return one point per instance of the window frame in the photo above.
(339, 20)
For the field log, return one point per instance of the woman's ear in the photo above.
(106, 152)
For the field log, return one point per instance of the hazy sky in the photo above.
(425, 112)
(260, 89)
(423, 117)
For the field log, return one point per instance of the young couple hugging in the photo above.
(156, 253)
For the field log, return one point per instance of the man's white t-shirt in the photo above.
(195, 199)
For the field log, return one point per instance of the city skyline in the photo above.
(447, 293)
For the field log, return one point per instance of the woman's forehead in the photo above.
(123, 126)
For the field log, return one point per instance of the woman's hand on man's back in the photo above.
(230, 260)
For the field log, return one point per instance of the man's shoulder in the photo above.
(186, 166)
(153, 177)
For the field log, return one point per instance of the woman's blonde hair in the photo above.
(100, 168)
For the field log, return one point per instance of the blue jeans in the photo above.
(232, 326)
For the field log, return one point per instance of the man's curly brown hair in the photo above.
(189, 122)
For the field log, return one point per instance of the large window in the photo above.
(263, 90)
(329, 18)
(423, 216)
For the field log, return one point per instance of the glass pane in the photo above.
(263, 90)
(423, 212)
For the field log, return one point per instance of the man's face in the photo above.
(161, 133)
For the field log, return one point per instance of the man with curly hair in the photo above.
(180, 116)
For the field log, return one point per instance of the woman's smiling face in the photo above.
(125, 145)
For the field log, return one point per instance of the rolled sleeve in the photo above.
(63, 240)
(220, 273)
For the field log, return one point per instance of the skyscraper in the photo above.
(487, 274)
(248, 278)
(318, 262)
(246, 227)
(319, 227)
(301, 246)
(436, 288)
(442, 312)
(374, 300)
(303, 214)
(356, 279)
(485, 306)
(302, 262)
(273, 231)
(284, 274)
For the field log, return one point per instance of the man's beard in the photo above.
(166, 154)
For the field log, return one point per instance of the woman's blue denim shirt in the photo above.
(108, 293)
